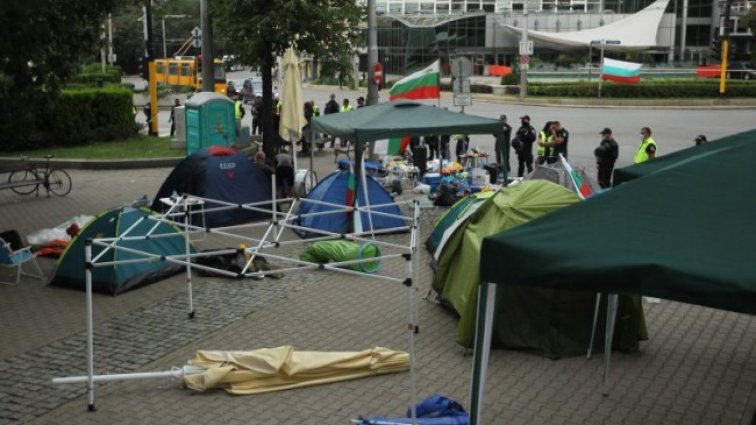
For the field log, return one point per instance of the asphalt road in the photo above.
(673, 127)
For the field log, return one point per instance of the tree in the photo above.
(42, 45)
(261, 30)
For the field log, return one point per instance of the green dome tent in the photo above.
(554, 323)
(121, 277)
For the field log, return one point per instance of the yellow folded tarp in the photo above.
(282, 368)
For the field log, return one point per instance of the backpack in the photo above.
(446, 195)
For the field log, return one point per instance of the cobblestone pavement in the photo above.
(698, 368)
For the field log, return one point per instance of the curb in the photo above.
(12, 163)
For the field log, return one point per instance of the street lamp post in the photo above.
(524, 66)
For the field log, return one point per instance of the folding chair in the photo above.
(16, 259)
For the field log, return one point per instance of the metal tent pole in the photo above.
(611, 314)
(593, 329)
(187, 248)
(482, 349)
(88, 266)
(411, 328)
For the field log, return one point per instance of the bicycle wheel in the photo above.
(27, 181)
(59, 182)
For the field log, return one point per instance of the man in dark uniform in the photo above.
(523, 145)
(561, 138)
(502, 145)
(606, 155)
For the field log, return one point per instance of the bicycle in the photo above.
(27, 180)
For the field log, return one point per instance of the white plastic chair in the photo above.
(16, 259)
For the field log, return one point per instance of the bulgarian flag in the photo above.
(620, 71)
(391, 147)
(423, 84)
(582, 187)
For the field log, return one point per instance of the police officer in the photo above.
(544, 141)
(502, 145)
(523, 145)
(561, 138)
(647, 148)
(606, 155)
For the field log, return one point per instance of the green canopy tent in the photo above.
(396, 119)
(682, 229)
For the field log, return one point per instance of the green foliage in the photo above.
(651, 89)
(513, 78)
(93, 73)
(261, 30)
(136, 146)
(84, 116)
(42, 45)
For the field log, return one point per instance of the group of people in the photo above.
(552, 141)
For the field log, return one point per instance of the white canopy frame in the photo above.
(179, 215)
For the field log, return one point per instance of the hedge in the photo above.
(646, 89)
(88, 115)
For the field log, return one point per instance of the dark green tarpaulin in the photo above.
(685, 232)
(679, 227)
(401, 118)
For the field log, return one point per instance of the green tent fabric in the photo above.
(124, 275)
(684, 231)
(452, 217)
(401, 118)
(679, 228)
(549, 322)
(674, 159)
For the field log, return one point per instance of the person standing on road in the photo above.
(647, 148)
(432, 143)
(501, 145)
(606, 155)
(172, 119)
(332, 107)
(561, 137)
(545, 139)
(345, 106)
(284, 175)
(257, 115)
(523, 145)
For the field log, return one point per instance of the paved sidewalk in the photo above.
(698, 368)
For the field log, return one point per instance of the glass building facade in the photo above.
(414, 33)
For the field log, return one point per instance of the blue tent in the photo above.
(221, 174)
(333, 189)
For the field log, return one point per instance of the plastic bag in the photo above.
(45, 236)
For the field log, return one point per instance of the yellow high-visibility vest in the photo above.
(641, 155)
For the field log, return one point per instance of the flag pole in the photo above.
(601, 69)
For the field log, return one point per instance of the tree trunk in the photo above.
(269, 132)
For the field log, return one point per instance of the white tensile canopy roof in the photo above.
(634, 32)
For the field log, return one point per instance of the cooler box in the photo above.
(432, 180)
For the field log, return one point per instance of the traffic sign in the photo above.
(378, 73)
(526, 48)
(196, 32)
(461, 86)
(461, 68)
(462, 99)
(524, 59)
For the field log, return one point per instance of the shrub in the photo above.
(88, 115)
(647, 89)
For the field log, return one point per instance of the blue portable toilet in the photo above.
(210, 120)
